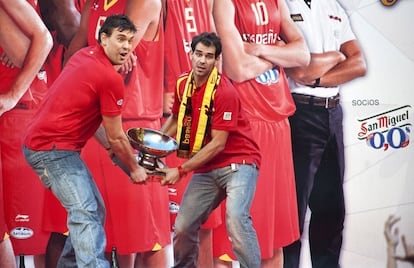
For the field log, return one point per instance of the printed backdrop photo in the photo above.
(378, 124)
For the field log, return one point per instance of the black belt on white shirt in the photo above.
(330, 102)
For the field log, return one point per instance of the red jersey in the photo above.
(73, 106)
(184, 20)
(144, 84)
(226, 115)
(267, 97)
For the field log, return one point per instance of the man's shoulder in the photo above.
(226, 89)
(226, 83)
(184, 74)
(183, 77)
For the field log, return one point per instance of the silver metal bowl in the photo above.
(151, 143)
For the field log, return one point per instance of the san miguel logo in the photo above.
(388, 129)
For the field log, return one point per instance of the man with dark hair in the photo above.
(317, 131)
(140, 231)
(179, 29)
(88, 92)
(214, 135)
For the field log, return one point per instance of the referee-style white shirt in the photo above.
(325, 27)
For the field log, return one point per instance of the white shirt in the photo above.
(325, 27)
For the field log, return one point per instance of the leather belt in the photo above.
(330, 102)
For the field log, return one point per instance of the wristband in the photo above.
(181, 171)
(317, 82)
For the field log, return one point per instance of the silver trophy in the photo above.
(151, 145)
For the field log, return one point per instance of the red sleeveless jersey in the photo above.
(267, 97)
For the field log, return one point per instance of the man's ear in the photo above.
(104, 37)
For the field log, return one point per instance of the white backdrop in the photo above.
(379, 180)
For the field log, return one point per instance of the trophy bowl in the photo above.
(151, 145)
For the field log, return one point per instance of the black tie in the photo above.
(308, 2)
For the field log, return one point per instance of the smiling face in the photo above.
(117, 46)
(203, 61)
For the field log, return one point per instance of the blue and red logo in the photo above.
(389, 129)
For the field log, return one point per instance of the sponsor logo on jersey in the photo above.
(296, 17)
(21, 232)
(227, 116)
(172, 191)
(22, 218)
(333, 17)
(174, 207)
(269, 77)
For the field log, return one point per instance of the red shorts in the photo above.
(54, 215)
(22, 189)
(3, 225)
(137, 215)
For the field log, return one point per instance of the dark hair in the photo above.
(116, 21)
(207, 39)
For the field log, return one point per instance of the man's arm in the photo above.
(352, 67)
(294, 51)
(61, 16)
(237, 63)
(80, 39)
(146, 15)
(210, 4)
(319, 65)
(40, 43)
(12, 40)
(333, 68)
(210, 150)
(121, 147)
(170, 126)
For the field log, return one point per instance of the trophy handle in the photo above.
(153, 173)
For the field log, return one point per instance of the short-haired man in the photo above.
(317, 131)
(87, 93)
(216, 137)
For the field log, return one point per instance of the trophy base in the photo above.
(151, 163)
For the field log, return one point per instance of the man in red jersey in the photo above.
(254, 59)
(24, 45)
(214, 135)
(141, 230)
(183, 20)
(73, 110)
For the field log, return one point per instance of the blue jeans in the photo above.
(65, 173)
(204, 193)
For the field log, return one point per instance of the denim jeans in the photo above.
(205, 192)
(66, 175)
